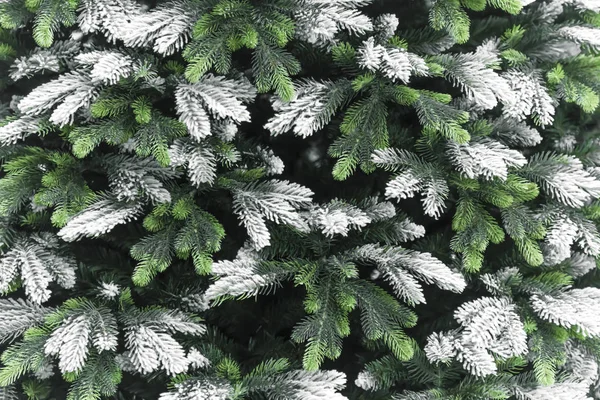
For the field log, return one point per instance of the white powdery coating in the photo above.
(197, 360)
(581, 264)
(513, 132)
(435, 192)
(407, 230)
(517, 345)
(337, 218)
(386, 25)
(109, 290)
(74, 90)
(176, 321)
(582, 34)
(167, 27)
(313, 385)
(366, 381)
(379, 211)
(107, 67)
(223, 98)
(132, 182)
(81, 98)
(559, 239)
(70, 342)
(574, 308)
(475, 359)
(432, 271)
(148, 350)
(315, 27)
(403, 186)
(18, 129)
(395, 63)
(440, 347)
(44, 372)
(482, 86)
(25, 66)
(311, 108)
(104, 329)
(240, 277)
(593, 5)
(396, 263)
(566, 143)
(244, 264)
(200, 160)
(10, 392)
(318, 22)
(195, 302)
(558, 391)
(416, 176)
(38, 266)
(191, 113)
(484, 157)
(241, 285)
(18, 315)
(503, 332)
(105, 341)
(498, 283)
(213, 389)
(34, 274)
(274, 164)
(578, 183)
(412, 395)
(272, 200)
(404, 285)
(564, 230)
(225, 130)
(61, 268)
(488, 326)
(98, 219)
(45, 96)
(581, 364)
(531, 97)
(133, 178)
(564, 178)
(41, 60)
(370, 54)
(112, 17)
(202, 166)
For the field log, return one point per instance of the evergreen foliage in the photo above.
(299, 199)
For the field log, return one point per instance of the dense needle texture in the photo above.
(299, 199)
